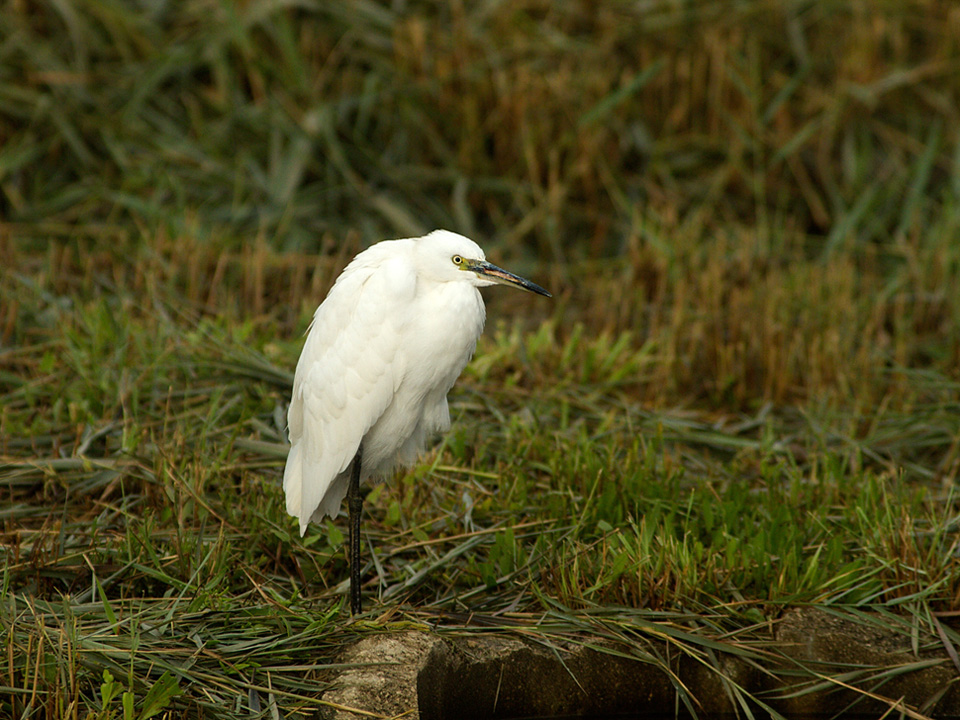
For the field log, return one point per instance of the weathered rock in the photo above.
(382, 678)
(438, 677)
(495, 677)
(815, 638)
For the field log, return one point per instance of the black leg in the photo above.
(355, 506)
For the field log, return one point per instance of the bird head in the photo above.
(461, 254)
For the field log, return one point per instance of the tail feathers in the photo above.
(293, 486)
(311, 504)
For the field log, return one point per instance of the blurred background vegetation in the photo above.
(577, 128)
(791, 164)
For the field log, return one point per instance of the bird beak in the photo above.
(502, 277)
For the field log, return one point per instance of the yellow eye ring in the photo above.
(457, 260)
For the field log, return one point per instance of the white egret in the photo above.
(383, 350)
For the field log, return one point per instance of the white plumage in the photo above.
(383, 350)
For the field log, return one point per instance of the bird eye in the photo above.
(457, 260)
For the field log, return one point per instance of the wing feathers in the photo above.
(346, 377)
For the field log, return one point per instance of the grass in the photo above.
(743, 398)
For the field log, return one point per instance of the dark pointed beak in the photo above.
(502, 277)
